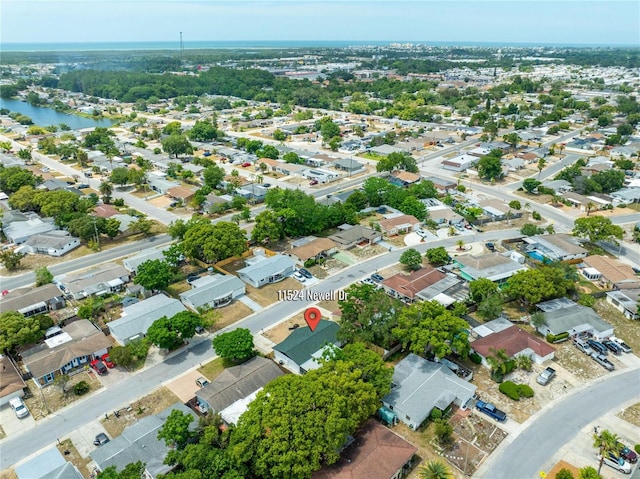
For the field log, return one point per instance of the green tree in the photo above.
(236, 345)
(163, 335)
(490, 167)
(137, 177)
(175, 430)
(16, 330)
(490, 307)
(172, 128)
(538, 320)
(203, 130)
(412, 259)
(213, 176)
(112, 227)
(279, 135)
(328, 129)
(482, 288)
(443, 431)
(214, 242)
(368, 315)
(437, 256)
(413, 206)
(606, 442)
(12, 178)
(358, 200)
(119, 176)
(11, 260)
(142, 225)
(435, 470)
(43, 276)
(588, 472)
(428, 327)
(529, 229)
(292, 157)
(176, 145)
(530, 185)
(106, 189)
(597, 228)
(25, 154)
(154, 274)
(134, 470)
(536, 285)
(515, 204)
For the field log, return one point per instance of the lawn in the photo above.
(212, 369)
(229, 314)
(626, 329)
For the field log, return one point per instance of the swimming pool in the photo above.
(537, 256)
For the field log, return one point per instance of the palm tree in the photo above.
(606, 442)
(541, 163)
(435, 470)
(526, 207)
(589, 207)
(259, 179)
(106, 189)
(460, 244)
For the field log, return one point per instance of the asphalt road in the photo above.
(531, 450)
(60, 424)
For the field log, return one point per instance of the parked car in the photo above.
(582, 346)
(627, 454)
(299, 276)
(625, 347)
(266, 185)
(107, 360)
(490, 246)
(18, 407)
(313, 182)
(199, 330)
(422, 233)
(368, 281)
(376, 277)
(617, 463)
(101, 439)
(192, 277)
(99, 366)
(613, 347)
(82, 186)
(598, 346)
(245, 164)
(202, 381)
(603, 361)
(546, 376)
(305, 273)
(490, 410)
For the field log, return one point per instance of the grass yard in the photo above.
(626, 329)
(212, 369)
(229, 314)
(268, 294)
(631, 414)
(153, 403)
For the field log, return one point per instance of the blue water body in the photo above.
(47, 116)
(539, 257)
(256, 44)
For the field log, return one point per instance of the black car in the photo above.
(101, 439)
(376, 277)
(490, 246)
(266, 185)
(613, 347)
(598, 346)
(305, 273)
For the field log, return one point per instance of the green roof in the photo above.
(303, 342)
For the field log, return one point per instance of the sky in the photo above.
(599, 22)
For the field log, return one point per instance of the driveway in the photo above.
(185, 386)
(11, 424)
(83, 437)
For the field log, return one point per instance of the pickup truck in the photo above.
(603, 361)
(546, 376)
(490, 410)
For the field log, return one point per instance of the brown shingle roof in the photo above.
(611, 269)
(376, 453)
(411, 284)
(10, 379)
(407, 176)
(25, 297)
(105, 211)
(513, 340)
(180, 192)
(313, 248)
(391, 223)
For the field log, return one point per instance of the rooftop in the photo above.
(513, 340)
(302, 342)
(410, 284)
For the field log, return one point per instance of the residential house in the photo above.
(376, 452)
(446, 291)
(558, 186)
(406, 287)
(612, 272)
(261, 270)
(320, 175)
(47, 464)
(419, 386)
(32, 301)
(159, 183)
(399, 225)
(348, 165)
(136, 319)
(230, 393)
(626, 301)
(443, 215)
(494, 266)
(352, 235)
(11, 383)
(316, 249)
(442, 185)
(132, 263)
(54, 243)
(563, 315)
(105, 279)
(515, 342)
(252, 192)
(626, 196)
(72, 349)
(18, 232)
(104, 211)
(212, 199)
(53, 185)
(126, 221)
(460, 163)
(498, 210)
(140, 442)
(554, 247)
(385, 150)
(301, 349)
(213, 291)
(406, 177)
(181, 193)
(594, 201)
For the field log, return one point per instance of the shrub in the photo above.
(536, 216)
(309, 263)
(637, 448)
(443, 431)
(118, 202)
(510, 365)
(81, 388)
(436, 414)
(525, 391)
(475, 358)
(557, 338)
(586, 300)
(564, 474)
(510, 389)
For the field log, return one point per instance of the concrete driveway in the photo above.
(185, 386)
(83, 437)
(10, 423)
(114, 376)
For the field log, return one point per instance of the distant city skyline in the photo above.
(588, 22)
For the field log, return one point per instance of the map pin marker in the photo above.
(312, 316)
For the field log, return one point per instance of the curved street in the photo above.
(544, 434)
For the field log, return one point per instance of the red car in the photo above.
(107, 360)
(313, 182)
(245, 164)
(99, 367)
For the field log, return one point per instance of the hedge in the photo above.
(475, 358)
(637, 448)
(510, 389)
(525, 391)
(557, 338)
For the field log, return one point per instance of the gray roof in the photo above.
(137, 318)
(270, 265)
(23, 298)
(628, 298)
(421, 385)
(627, 194)
(555, 304)
(302, 342)
(53, 239)
(66, 471)
(347, 164)
(139, 442)
(20, 230)
(238, 382)
(566, 319)
(355, 233)
(219, 288)
(491, 265)
(148, 254)
(559, 245)
(94, 278)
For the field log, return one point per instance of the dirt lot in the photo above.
(626, 329)
(268, 294)
(631, 414)
(153, 403)
(368, 251)
(55, 399)
(230, 314)
(8, 474)
(74, 457)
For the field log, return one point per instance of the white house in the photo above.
(263, 270)
(212, 291)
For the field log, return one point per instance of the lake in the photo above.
(43, 116)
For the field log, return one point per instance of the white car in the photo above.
(18, 407)
(422, 233)
(617, 463)
(297, 275)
